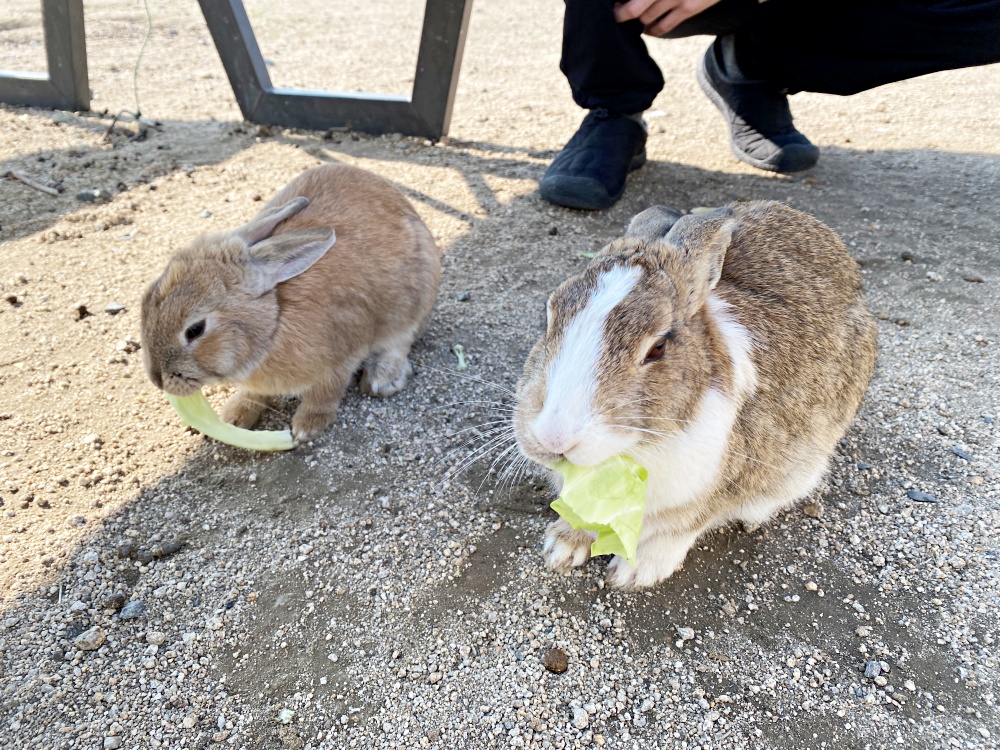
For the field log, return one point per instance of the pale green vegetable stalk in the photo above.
(609, 498)
(196, 412)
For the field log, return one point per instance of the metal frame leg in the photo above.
(66, 85)
(426, 113)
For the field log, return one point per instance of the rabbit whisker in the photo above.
(481, 451)
(489, 471)
(487, 435)
(744, 456)
(472, 378)
(494, 404)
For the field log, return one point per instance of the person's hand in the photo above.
(660, 16)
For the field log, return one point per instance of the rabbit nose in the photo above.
(553, 438)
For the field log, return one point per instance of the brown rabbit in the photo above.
(336, 272)
(727, 352)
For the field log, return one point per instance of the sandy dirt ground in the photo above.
(383, 586)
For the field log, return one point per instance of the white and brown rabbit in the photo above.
(337, 272)
(727, 352)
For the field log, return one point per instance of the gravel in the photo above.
(214, 601)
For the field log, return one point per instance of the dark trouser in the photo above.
(827, 46)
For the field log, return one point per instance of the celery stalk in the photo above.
(196, 412)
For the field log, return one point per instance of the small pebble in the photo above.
(961, 453)
(113, 308)
(90, 640)
(133, 610)
(98, 196)
(115, 601)
(813, 509)
(129, 347)
(872, 670)
(580, 718)
(921, 497)
(555, 660)
(463, 296)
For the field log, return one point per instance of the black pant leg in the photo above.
(847, 46)
(606, 63)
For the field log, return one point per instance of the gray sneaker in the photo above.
(761, 132)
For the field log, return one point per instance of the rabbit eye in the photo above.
(194, 331)
(656, 351)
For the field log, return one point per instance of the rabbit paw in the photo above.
(243, 409)
(566, 547)
(385, 374)
(656, 560)
(308, 424)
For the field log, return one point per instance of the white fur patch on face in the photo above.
(686, 465)
(739, 344)
(571, 377)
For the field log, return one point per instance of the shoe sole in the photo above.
(596, 202)
(720, 104)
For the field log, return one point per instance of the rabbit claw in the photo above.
(566, 547)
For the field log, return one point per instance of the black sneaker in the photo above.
(761, 132)
(589, 173)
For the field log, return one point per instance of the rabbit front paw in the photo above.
(243, 409)
(385, 374)
(566, 547)
(307, 425)
(656, 559)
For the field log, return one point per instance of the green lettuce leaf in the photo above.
(609, 498)
(196, 412)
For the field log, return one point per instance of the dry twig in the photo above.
(18, 175)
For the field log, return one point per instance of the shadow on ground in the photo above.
(336, 552)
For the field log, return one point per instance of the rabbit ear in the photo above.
(699, 242)
(653, 224)
(280, 258)
(261, 226)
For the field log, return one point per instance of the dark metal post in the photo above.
(66, 85)
(439, 61)
(427, 113)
